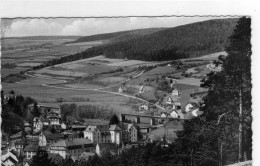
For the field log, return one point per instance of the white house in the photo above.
(116, 134)
(196, 112)
(188, 107)
(164, 115)
(174, 114)
(63, 126)
(176, 93)
(143, 107)
(9, 159)
(42, 140)
(54, 120)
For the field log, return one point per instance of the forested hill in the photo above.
(184, 41)
(118, 36)
(173, 43)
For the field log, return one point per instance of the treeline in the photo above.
(72, 112)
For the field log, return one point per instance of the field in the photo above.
(29, 52)
(88, 81)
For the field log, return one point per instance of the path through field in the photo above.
(57, 86)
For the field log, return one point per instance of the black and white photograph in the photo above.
(137, 90)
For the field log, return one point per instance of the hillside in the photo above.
(118, 36)
(184, 41)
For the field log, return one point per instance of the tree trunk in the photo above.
(221, 156)
(240, 136)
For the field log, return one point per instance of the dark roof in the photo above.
(103, 128)
(107, 146)
(182, 87)
(50, 136)
(73, 142)
(77, 126)
(115, 128)
(17, 135)
(10, 158)
(45, 120)
(31, 147)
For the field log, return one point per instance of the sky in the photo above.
(88, 26)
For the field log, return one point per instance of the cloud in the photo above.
(33, 27)
(90, 26)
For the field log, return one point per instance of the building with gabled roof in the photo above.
(116, 134)
(98, 133)
(8, 158)
(30, 150)
(72, 147)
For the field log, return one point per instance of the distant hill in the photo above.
(118, 36)
(189, 40)
(44, 37)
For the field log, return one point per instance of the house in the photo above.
(98, 133)
(141, 90)
(116, 134)
(176, 92)
(19, 145)
(8, 158)
(78, 128)
(143, 107)
(45, 122)
(129, 132)
(174, 114)
(171, 102)
(196, 112)
(63, 126)
(52, 138)
(106, 147)
(42, 140)
(37, 125)
(54, 120)
(73, 147)
(122, 89)
(30, 150)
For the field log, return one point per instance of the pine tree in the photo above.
(114, 119)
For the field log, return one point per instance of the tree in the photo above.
(114, 119)
(41, 159)
(223, 133)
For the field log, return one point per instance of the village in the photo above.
(80, 140)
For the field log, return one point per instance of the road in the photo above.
(96, 89)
